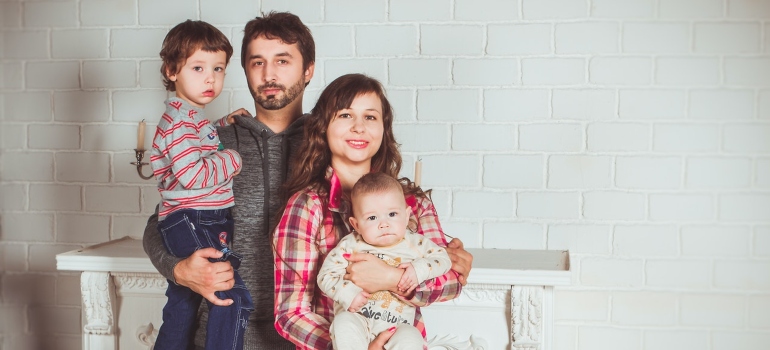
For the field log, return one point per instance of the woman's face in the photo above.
(355, 134)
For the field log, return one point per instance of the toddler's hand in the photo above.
(231, 116)
(408, 280)
(359, 301)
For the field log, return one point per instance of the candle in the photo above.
(140, 136)
(417, 171)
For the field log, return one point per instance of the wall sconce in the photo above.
(140, 151)
(139, 164)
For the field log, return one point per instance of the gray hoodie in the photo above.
(257, 202)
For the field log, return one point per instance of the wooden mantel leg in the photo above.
(98, 294)
(527, 318)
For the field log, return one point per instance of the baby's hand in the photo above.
(359, 301)
(408, 280)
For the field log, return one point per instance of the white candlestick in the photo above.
(417, 172)
(140, 135)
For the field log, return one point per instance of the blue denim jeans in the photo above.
(184, 232)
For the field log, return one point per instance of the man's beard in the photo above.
(271, 102)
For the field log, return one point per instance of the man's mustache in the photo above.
(267, 86)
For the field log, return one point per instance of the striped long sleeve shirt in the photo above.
(305, 235)
(191, 171)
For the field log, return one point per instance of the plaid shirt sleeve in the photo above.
(447, 286)
(296, 260)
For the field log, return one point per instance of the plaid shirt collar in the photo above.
(338, 201)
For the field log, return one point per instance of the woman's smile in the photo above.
(355, 133)
(358, 143)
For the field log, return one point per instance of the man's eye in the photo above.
(283, 61)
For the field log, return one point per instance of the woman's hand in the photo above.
(461, 259)
(379, 342)
(371, 274)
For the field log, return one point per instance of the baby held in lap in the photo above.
(380, 219)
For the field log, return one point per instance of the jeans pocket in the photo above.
(213, 217)
(179, 235)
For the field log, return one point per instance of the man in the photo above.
(278, 57)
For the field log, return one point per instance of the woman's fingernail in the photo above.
(346, 255)
(392, 329)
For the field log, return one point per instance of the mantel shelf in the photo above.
(121, 255)
(509, 298)
(490, 266)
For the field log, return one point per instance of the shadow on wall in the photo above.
(35, 295)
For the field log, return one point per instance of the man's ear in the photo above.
(309, 72)
(353, 222)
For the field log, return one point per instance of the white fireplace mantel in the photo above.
(508, 302)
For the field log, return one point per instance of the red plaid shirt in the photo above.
(305, 234)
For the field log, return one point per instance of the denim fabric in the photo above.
(184, 232)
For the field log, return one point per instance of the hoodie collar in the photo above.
(252, 123)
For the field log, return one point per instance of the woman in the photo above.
(348, 135)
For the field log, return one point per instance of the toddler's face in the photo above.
(381, 217)
(200, 80)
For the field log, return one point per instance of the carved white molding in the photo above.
(146, 334)
(451, 342)
(486, 293)
(98, 298)
(139, 283)
(526, 317)
(118, 278)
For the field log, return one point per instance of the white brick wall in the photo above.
(634, 133)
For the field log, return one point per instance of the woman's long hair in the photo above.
(309, 168)
(314, 155)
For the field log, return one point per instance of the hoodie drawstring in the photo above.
(266, 180)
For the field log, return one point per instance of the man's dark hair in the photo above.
(284, 26)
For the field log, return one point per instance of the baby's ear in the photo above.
(353, 222)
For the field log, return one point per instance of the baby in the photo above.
(380, 218)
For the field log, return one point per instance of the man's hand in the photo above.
(379, 342)
(359, 301)
(461, 259)
(240, 111)
(371, 274)
(205, 277)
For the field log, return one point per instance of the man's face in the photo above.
(275, 73)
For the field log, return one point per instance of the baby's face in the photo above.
(380, 218)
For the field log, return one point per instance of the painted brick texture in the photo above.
(634, 133)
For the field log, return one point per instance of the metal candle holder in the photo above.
(139, 164)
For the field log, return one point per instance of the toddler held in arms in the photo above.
(195, 179)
